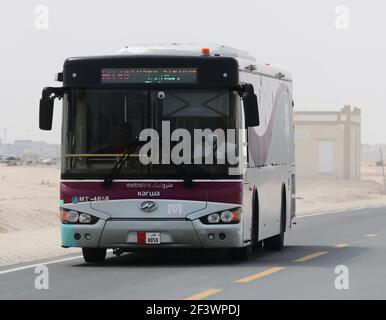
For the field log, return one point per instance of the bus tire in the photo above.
(241, 254)
(94, 255)
(256, 244)
(276, 243)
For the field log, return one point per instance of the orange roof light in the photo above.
(205, 51)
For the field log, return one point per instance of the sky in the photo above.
(336, 57)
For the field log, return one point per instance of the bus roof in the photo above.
(245, 60)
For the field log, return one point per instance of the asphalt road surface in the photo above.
(306, 269)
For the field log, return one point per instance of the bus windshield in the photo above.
(98, 125)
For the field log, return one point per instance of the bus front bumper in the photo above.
(173, 234)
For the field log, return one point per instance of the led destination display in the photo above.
(149, 75)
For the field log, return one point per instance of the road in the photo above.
(305, 269)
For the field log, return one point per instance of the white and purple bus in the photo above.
(174, 146)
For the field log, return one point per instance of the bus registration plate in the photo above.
(148, 237)
(153, 238)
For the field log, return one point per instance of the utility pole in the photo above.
(383, 167)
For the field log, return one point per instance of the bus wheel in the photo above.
(241, 254)
(276, 243)
(256, 244)
(94, 255)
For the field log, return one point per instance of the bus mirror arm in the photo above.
(46, 106)
(251, 108)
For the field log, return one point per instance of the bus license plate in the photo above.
(153, 238)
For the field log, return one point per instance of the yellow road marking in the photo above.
(371, 235)
(203, 294)
(341, 245)
(259, 275)
(311, 256)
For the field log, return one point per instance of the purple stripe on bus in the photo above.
(223, 192)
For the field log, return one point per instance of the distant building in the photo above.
(328, 143)
(30, 150)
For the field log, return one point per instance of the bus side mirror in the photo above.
(251, 108)
(46, 112)
(46, 107)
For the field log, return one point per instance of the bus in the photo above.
(174, 146)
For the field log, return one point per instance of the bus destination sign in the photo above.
(148, 75)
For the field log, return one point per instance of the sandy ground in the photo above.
(29, 207)
(29, 214)
(329, 194)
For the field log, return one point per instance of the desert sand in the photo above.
(29, 214)
(29, 206)
(328, 194)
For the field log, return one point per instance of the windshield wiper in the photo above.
(119, 164)
(181, 169)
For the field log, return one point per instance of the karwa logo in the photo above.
(148, 206)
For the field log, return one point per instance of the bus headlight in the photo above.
(214, 218)
(231, 216)
(223, 217)
(84, 218)
(74, 217)
(226, 216)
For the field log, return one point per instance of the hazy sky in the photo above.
(330, 67)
